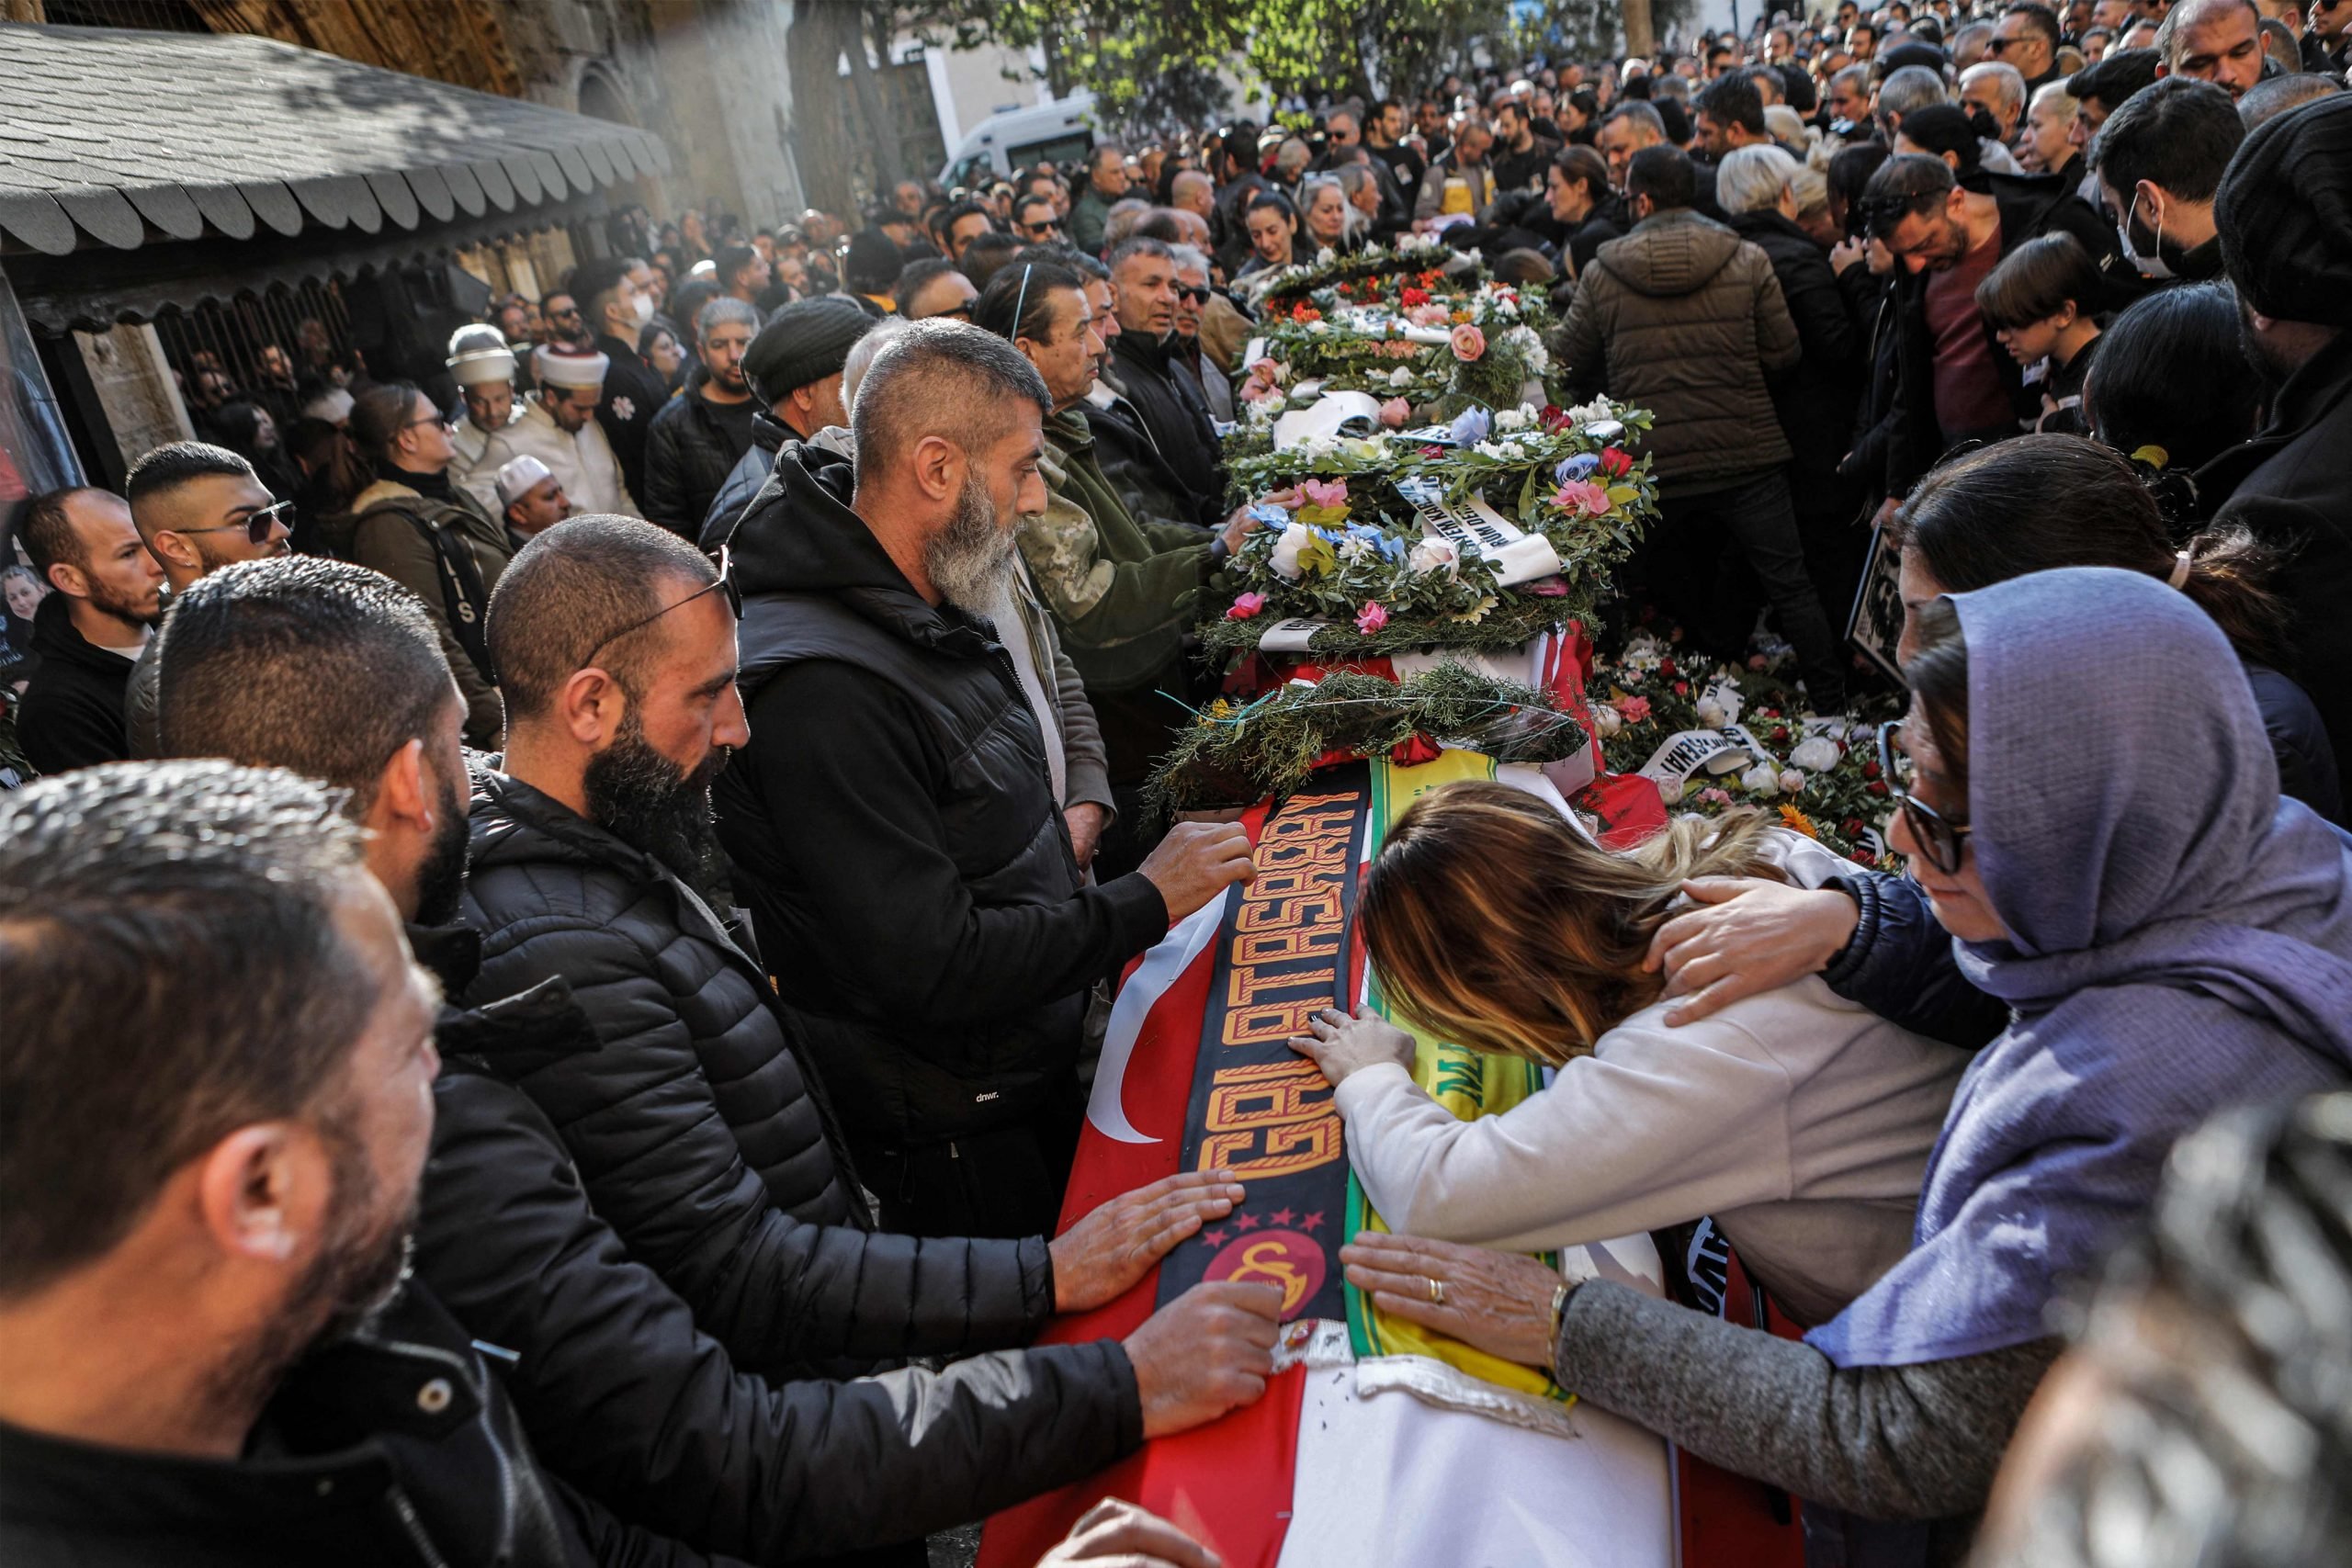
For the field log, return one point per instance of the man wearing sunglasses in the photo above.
(2325, 36)
(198, 509)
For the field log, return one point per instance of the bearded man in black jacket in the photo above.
(331, 669)
(892, 821)
(209, 1353)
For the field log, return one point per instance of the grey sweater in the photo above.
(1919, 1443)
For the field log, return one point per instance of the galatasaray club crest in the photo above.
(1273, 1258)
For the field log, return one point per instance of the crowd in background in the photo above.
(734, 676)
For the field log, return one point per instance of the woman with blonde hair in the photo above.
(1801, 1123)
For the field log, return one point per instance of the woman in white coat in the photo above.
(1800, 1122)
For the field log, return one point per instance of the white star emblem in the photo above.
(624, 409)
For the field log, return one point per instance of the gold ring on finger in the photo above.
(1437, 1291)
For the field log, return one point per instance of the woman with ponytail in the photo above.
(2044, 502)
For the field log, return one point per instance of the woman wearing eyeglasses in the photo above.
(2086, 797)
(399, 513)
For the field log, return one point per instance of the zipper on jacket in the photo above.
(406, 1512)
(508, 1495)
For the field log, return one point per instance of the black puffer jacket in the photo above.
(1685, 318)
(895, 834)
(627, 1399)
(690, 448)
(701, 1137)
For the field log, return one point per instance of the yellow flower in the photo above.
(1792, 817)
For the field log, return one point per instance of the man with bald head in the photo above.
(2213, 41)
(892, 819)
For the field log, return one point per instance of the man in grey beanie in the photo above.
(794, 372)
(2284, 216)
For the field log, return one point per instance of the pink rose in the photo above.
(1469, 343)
(1582, 496)
(1371, 618)
(1325, 492)
(1636, 710)
(1246, 605)
(1395, 413)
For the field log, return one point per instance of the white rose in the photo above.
(1607, 720)
(1671, 791)
(1711, 714)
(1815, 755)
(1400, 376)
(1761, 779)
(1433, 555)
(1791, 781)
(1284, 560)
(1324, 257)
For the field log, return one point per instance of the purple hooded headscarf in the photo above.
(2180, 940)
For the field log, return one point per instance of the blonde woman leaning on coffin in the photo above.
(1801, 1122)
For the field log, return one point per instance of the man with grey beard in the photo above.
(892, 820)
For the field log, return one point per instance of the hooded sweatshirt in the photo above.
(894, 833)
(1683, 317)
(2180, 940)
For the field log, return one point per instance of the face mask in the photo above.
(643, 304)
(2153, 264)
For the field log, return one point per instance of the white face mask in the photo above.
(643, 305)
(2152, 265)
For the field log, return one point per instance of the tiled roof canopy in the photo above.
(119, 139)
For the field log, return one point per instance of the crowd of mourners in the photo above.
(554, 916)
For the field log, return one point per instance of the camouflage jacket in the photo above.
(1121, 590)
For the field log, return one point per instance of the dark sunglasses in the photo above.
(725, 584)
(1944, 842)
(256, 524)
(564, 314)
(1191, 294)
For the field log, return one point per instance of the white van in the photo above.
(1060, 129)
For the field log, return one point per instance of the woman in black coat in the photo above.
(1816, 400)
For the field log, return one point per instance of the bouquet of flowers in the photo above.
(1819, 771)
(1421, 349)
(1509, 527)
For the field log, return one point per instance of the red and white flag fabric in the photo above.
(1377, 1442)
